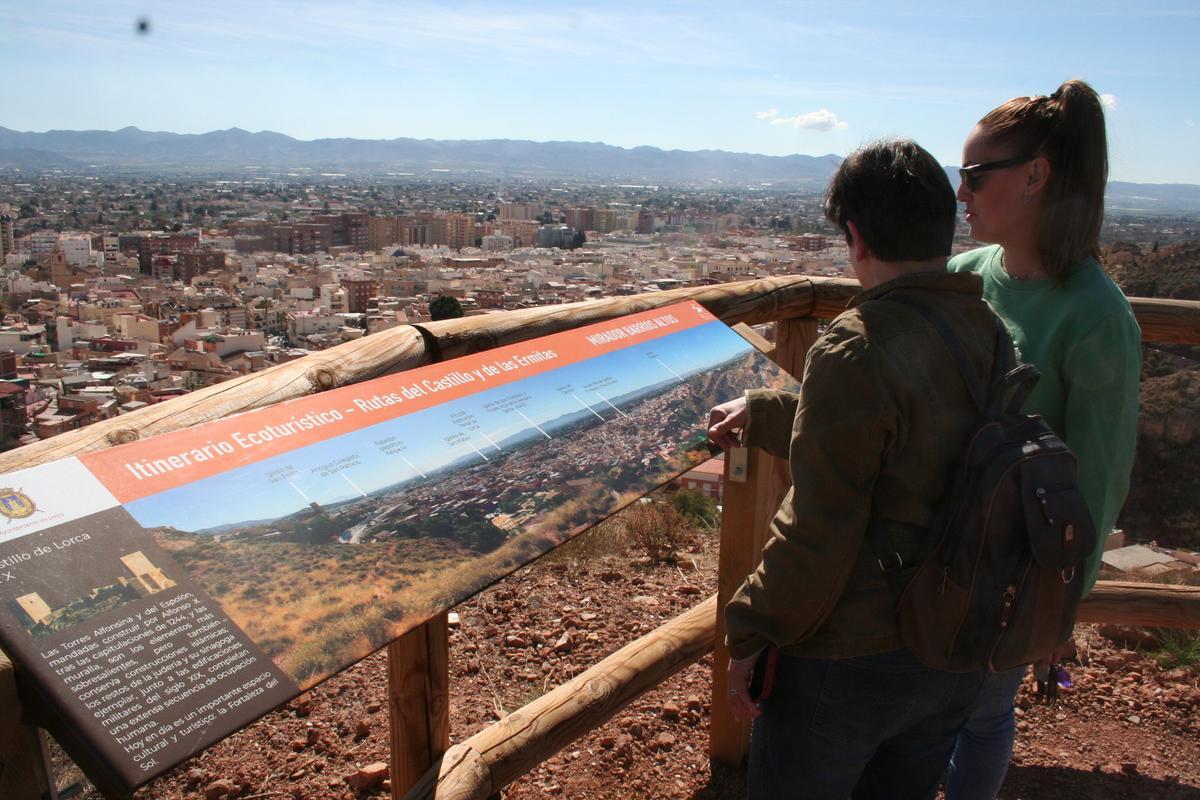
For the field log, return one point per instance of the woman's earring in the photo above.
(1025, 199)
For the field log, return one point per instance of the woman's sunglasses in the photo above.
(970, 175)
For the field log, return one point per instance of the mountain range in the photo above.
(236, 149)
(268, 152)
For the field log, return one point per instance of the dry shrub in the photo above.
(604, 539)
(656, 528)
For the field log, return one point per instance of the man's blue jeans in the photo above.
(985, 745)
(880, 726)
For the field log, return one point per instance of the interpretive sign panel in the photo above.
(164, 593)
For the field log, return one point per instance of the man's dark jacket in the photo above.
(880, 422)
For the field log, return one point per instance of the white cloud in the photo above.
(823, 120)
(1109, 101)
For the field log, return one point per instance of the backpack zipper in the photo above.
(1010, 596)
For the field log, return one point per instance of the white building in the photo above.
(311, 322)
(335, 298)
(497, 242)
(139, 327)
(23, 340)
(42, 242)
(77, 249)
(230, 342)
(70, 330)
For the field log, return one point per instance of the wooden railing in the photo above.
(419, 685)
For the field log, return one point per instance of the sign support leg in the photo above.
(418, 701)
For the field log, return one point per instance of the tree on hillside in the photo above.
(445, 307)
(697, 507)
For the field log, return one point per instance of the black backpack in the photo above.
(1002, 580)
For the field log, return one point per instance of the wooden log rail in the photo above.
(418, 678)
(1150, 604)
(494, 757)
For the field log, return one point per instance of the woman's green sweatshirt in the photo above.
(1084, 339)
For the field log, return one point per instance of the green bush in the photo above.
(1177, 648)
(697, 507)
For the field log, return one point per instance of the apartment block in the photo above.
(523, 232)
(383, 232)
(580, 219)
(460, 230)
(302, 238)
(358, 292)
(518, 211)
(351, 229)
(7, 244)
(606, 220)
(195, 262)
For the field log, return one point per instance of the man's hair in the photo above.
(1067, 128)
(899, 199)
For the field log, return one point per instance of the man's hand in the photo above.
(738, 677)
(725, 423)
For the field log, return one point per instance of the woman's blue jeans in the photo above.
(880, 726)
(985, 745)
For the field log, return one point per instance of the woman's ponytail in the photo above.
(1073, 208)
(1067, 128)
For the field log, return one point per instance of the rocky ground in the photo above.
(1129, 728)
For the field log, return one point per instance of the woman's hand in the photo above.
(725, 423)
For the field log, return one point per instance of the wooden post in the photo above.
(793, 339)
(22, 772)
(747, 510)
(418, 700)
(488, 761)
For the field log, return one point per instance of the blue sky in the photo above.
(773, 78)
(248, 493)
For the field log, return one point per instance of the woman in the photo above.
(1033, 179)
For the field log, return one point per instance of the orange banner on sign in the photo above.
(143, 468)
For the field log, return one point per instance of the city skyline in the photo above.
(764, 78)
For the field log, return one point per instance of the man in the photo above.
(871, 439)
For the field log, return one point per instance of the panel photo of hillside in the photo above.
(326, 553)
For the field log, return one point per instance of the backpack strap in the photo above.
(1009, 388)
(1017, 384)
(887, 555)
(999, 364)
(897, 571)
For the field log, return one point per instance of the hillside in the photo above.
(1163, 500)
(1172, 273)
